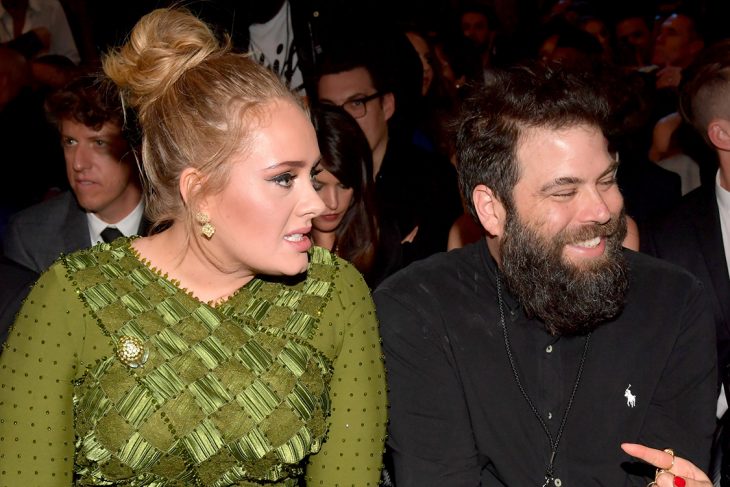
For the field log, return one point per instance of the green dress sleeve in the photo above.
(37, 368)
(352, 453)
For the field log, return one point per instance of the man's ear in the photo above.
(490, 211)
(388, 101)
(718, 131)
(191, 183)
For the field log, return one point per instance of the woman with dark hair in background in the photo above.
(349, 225)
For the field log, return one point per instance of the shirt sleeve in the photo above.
(429, 432)
(37, 368)
(62, 41)
(682, 410)
(352, 453)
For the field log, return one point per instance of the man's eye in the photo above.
(607, 183)
(564, 194)
(68, 141)
(284, 180)
(99, 143)
(356, 103)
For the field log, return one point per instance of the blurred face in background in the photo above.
(677, 43)
(475, 27)
(424, 53)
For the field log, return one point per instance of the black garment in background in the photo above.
(315, 24)
(417, 188)
(37, 235)
(691, 237)
(457, 417)
(15, 285)
(648, 189)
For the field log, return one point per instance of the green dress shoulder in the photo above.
(113, 375)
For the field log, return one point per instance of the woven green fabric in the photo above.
(237, 394)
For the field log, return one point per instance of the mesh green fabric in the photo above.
(229, 395)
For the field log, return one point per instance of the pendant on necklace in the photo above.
(549, 480)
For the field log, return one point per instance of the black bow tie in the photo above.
(110, 234)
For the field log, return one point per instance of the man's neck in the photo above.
(493, 246)
(724, 157)
(122, 208)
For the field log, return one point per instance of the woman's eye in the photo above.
(284, 180)
(316, 184)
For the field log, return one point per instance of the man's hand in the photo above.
(668, 77)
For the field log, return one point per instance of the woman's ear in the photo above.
(191, 182)
(489, 210)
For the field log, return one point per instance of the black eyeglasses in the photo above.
(358, 107)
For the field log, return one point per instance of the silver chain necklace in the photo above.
(549, 470)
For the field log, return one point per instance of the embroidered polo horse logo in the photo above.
(630, 398)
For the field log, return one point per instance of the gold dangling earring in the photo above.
(208, 229)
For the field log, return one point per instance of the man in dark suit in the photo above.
(106, 198)
(696, 234)
(14, 286)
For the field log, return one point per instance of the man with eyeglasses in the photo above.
(415, 190)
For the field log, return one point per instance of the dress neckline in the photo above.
(175, 283)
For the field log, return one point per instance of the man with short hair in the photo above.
(528, 358)
(106, 197)
(696, 234)
(678, 43)
(414, 189)
(633, 37)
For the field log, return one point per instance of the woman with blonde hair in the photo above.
(223, 349)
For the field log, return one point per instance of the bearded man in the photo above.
(528, 358)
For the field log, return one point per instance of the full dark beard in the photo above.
(569, 299)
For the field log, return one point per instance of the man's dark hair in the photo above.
(705, 88)
(90, 100)
(494, 119)
(482, 9)
(349, 56)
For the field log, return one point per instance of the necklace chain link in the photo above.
(549, 478)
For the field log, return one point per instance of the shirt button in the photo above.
(558, 482)
(549, 349)
(550, 415)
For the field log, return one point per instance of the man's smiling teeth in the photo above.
(592, 243)
(294, 237)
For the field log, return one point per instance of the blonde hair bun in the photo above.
(162, 46)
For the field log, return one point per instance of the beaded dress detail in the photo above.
(114, 376)
(226, 394)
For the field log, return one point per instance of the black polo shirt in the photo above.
(457, 417)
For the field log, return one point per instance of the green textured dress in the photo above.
(113, 375)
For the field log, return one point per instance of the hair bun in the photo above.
(161, 48)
